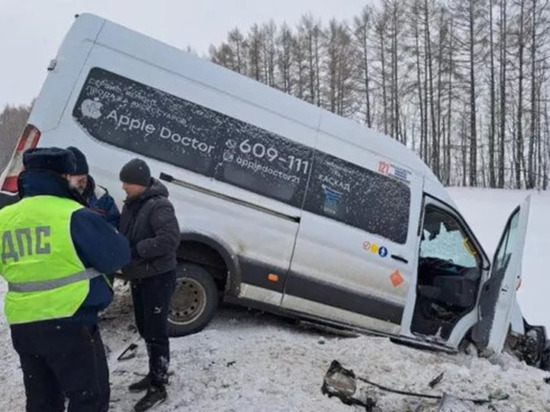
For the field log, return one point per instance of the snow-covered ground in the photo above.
(248, 361)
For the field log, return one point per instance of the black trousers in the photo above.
(151, 298)
(62, 359)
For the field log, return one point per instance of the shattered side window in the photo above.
(443, 238)
(359, 197)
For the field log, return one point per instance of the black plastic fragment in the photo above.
(436, 380)
(128, 353)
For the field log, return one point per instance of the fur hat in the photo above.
(50, 158)
(81, 163)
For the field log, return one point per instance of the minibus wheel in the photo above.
(194, 301)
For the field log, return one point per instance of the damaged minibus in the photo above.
(282, 206)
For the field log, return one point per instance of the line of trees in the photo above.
(464, 83)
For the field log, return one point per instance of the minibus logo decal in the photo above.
(91, 108)
(388, 169)
(332, 199)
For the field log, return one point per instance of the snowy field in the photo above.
(248, 361)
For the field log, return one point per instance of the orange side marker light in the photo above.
(273, 277)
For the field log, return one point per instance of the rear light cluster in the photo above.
(28, 140)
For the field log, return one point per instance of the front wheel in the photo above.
(194, 301)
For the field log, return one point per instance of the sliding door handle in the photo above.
(399, 258)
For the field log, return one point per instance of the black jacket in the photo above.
(149, 222)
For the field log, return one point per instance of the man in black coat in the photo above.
(149, 222)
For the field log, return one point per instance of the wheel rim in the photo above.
(188, 302)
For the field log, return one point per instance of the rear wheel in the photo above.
(194, 301)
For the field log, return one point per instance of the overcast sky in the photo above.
(32, 30)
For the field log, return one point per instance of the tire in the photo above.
(194, 301)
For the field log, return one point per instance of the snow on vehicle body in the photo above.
(282, 206)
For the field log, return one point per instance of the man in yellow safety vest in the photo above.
(53, 253)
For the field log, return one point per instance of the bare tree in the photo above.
(381, 26)
(362, 29)
(223, 55)
(397, 75)
(539, 23)
(518, 153)
(416, 24)
(299, 56)
(467, 18)
(310, 32)
(492, 103)
(269, 32)
(284, 58)
(239, 47)
(434, 158)
(255, 41)
(503, 51)
(450, 63)
(340, 64)
(531, 178)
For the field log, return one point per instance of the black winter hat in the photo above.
(81, 163)
(50, 158)
(136, 172)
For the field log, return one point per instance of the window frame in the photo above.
(365, 171)
(505, 237)
(430, 200)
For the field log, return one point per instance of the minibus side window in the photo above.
(444, 239)
(507, 245)
(153, 123)
(359, 197)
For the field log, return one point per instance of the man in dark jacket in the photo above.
(96, 196)
(149, 221)
(53, 254)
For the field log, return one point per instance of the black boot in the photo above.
(141, 385)
(155, 396)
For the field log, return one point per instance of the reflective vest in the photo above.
(46, 279)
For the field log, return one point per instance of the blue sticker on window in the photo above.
(332, 199)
